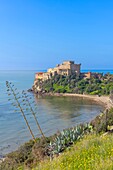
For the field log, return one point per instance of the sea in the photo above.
(53, 113)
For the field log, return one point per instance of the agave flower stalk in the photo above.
(10, 88)
(33, 113)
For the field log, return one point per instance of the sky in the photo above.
(38, 34)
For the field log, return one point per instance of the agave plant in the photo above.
(67, 137)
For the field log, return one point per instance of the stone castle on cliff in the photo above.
(66, 68)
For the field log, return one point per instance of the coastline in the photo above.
(104, 100)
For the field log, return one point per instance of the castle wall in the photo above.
(66, 68)
(39, 75)
(75, 68)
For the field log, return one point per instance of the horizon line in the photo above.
(46, 69)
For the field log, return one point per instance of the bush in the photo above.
(101, 122)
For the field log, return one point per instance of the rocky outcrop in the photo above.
(111, 98)
(37, 86)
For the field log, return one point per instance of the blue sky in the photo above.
(37, 34)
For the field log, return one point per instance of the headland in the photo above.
(66, 79)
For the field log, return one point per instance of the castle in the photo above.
(66, 68)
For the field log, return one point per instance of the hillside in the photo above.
(93, 152)
(83, 147)
(75, 84)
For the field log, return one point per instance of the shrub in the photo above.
(101, 122)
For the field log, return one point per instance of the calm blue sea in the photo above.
(53, 113)
(99, 71)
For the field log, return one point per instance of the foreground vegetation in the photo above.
(81, 147)
(91, 153)
(102, 85)
(75, 148)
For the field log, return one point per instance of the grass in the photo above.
(91, 153)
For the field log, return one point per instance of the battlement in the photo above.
(66, 68)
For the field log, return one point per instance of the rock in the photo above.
(30, 90)
(110, 128)
(2, 159)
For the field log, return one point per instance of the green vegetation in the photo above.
(103, 121)
(72, 84)
(27, 155)
(67, 137)
(81, 147)
(91, 153)
(91, 149)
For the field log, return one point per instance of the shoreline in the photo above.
(104, 100)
